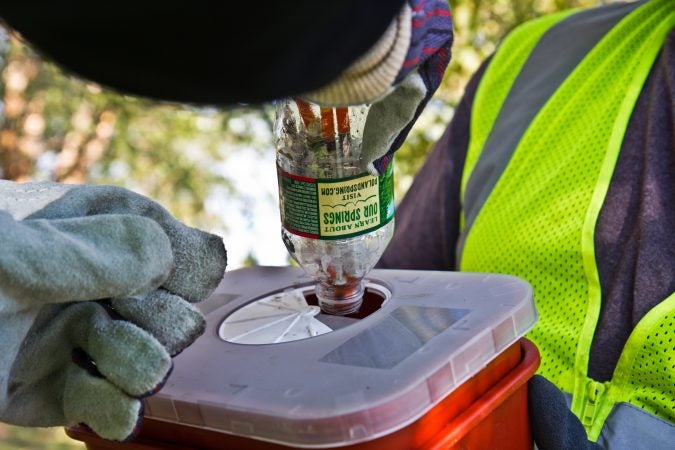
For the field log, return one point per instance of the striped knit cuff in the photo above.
(372, 75)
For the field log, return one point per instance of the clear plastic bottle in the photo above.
(337, 219)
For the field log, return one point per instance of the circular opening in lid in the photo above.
(292, 315)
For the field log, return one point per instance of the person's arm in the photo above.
(388, 53)
(427, 219)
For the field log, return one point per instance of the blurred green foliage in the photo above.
(19, 438)
(56, 127)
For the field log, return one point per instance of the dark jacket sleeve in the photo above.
(427, 219)
(203, 52)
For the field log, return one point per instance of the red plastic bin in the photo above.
(488, 411)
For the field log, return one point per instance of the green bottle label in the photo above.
(335, 208)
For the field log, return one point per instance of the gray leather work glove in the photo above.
(95, 291)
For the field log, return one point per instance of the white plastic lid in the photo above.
(367, 379)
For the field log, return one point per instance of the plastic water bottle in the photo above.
(337, 219)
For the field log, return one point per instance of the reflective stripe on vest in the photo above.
(535, 179)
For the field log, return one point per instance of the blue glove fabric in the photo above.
(428, 57)
(554, 426)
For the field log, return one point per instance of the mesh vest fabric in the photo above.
(492, 91)
(539, 220)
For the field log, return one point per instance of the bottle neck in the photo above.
(340, 300)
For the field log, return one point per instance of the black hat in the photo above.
(206, 52)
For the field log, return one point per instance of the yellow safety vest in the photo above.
(537, 220)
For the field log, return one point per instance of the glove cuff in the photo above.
(372, 75)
